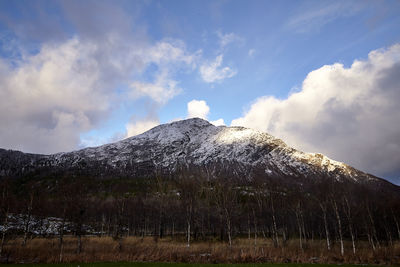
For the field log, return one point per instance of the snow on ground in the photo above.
(40, 226)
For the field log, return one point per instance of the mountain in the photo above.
(193, 144)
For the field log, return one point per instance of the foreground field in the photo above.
(157, 264)
(148, 249)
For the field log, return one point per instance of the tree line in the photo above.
(190, 206)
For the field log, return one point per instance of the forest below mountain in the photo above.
(327, 219)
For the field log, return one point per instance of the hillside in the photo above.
(194, 142)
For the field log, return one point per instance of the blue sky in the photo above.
(84, 73)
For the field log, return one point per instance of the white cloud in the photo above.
(251, 52)
(195, 109)
(170, 51)
(311, 17)
(168, 55)
(58, 88)
(49, 98)
(161, 90)
(198, 109)
(227, 38)
(213, 72)
(219, 122)
(137, 127)
(350, 114)
(69, 85)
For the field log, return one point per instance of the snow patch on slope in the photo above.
(196, 141)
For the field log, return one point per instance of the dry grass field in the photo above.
(135, 249)
(164, 264)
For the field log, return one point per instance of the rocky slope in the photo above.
(240, 152)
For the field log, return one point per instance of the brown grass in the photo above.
(101, 249)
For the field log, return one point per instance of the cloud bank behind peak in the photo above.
(348, 114)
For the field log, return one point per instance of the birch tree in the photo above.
(188, 190)
(226, 200)
(6, 198)
(348, 211)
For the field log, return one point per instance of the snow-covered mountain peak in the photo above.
(196, 141)
(199, 142)
(190, 142)
(187, 125)
(176, 130)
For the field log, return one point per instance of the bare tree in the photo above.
(188, 189)
(371, 231)
(28, 215)
(324, 209)
(396, 222)
(272, 195)
(349, 214)
(226, 200)
(298, 210)
(5, 209)
(339, 222)
(64, 205)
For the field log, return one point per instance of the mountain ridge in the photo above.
(190, 142)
